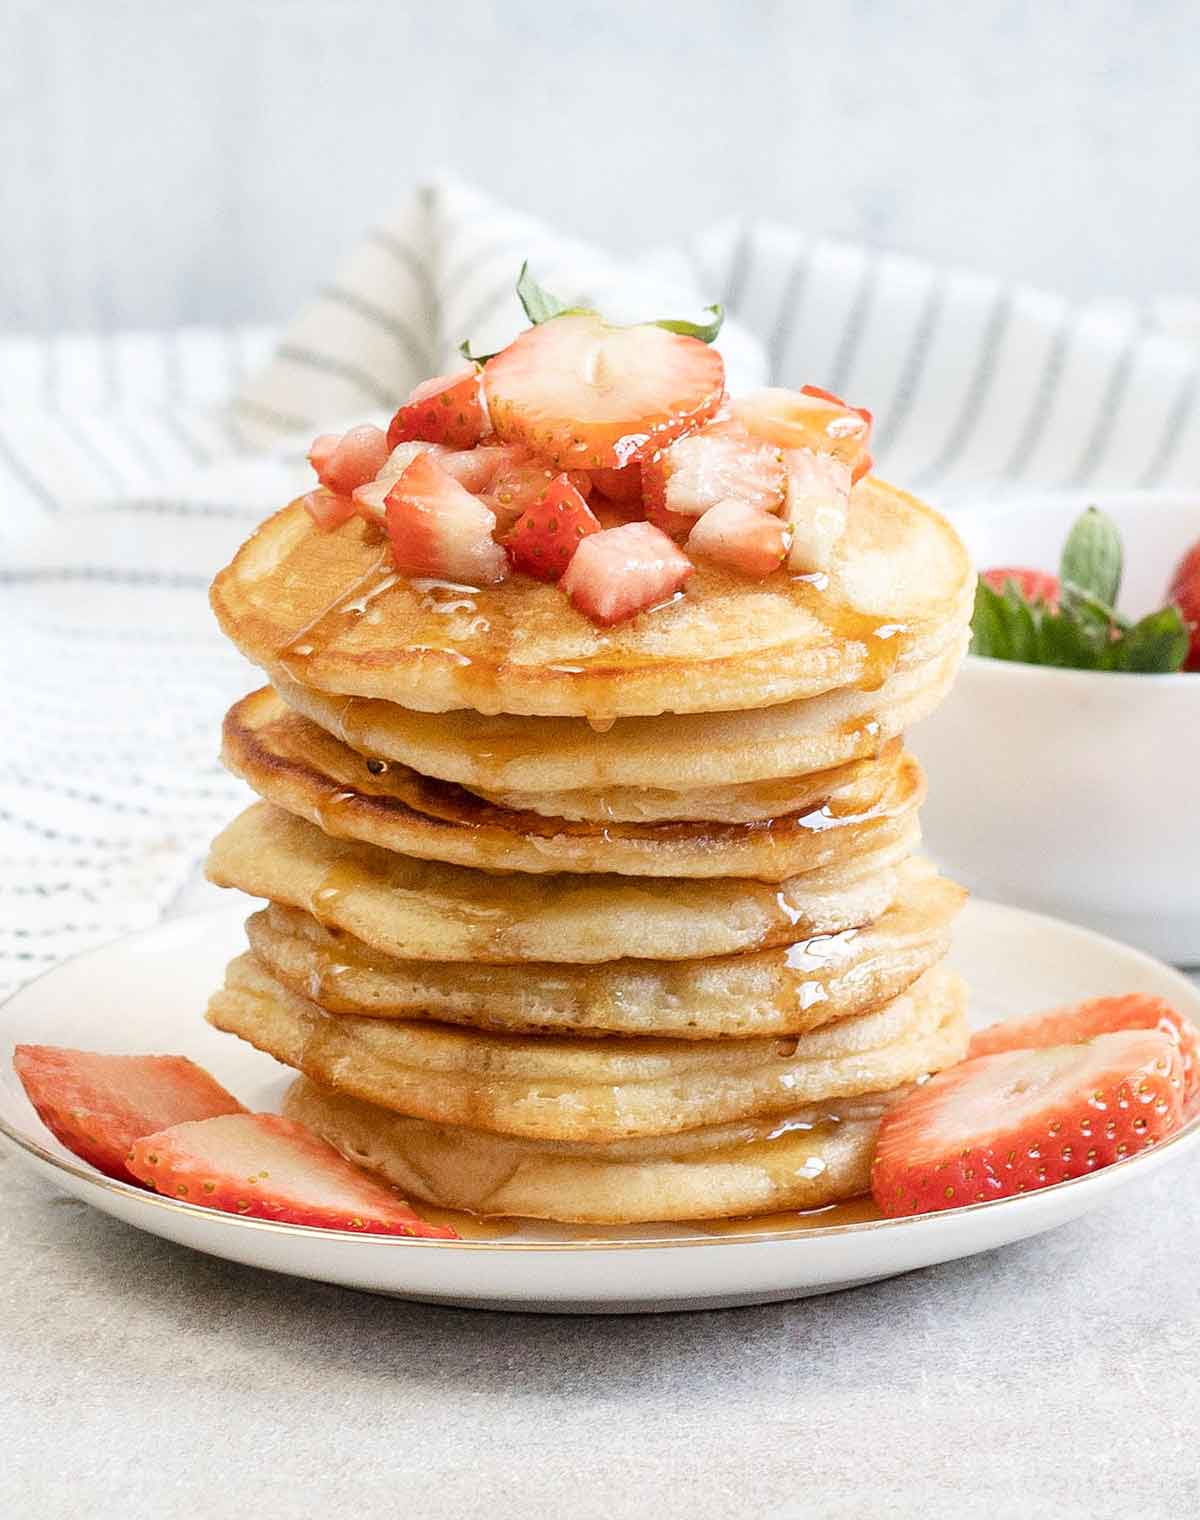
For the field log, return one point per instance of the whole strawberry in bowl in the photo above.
(1063, 768)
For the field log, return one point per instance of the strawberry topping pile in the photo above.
(603, 458)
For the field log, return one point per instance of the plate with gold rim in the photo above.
(134, 995)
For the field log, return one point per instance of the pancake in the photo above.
(298, 766)
(329, 610)
(787, 990)
(536, 758)
(425, 910)
(554, 1088)
(810, 1158)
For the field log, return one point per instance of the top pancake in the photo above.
(329, 610)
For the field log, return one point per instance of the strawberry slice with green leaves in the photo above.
(98, 1105)
(585, 395)
(741, 537)
(546, 535)
(810, 418)
(1009, 1123)
(437, 528)
(1077, 1022)
(682, 481)
(1080, 628)
(617, 573)
(448, 409)
(266, 1167)
(343, 464)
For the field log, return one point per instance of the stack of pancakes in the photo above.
(586, 924)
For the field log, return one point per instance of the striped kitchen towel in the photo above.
(132, 465)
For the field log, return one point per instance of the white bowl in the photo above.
(1075, 792)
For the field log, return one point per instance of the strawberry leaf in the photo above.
(540, 306)
(1156, 645)
(1090, 569)
(705, 331)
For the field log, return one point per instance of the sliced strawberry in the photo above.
(546, 535)
(477, 468)
(815, 508)
(694, 473)
(438, 528)
(584, 395)
(1185, 593)
(447, 409)
(98, 1105)
(345, 463)
(741, 537)
(809, 418)
(269, 1167)
(1034, 585)
(619, 572)
(1022, 1119)
(623, 487)
(328, 510)
(1104, 1015)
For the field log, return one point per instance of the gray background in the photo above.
(207, 161)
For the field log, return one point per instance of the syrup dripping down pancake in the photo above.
(425, 910)
(298, 766)
(329, 609)
(577, 1088)
(786, 990)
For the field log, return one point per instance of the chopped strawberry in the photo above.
(1034, 585)
(343, 464)
(584, 395)
(517, 487)
(1185, 593)
(269, 1167)
(324, 446)
(619, 572)
(547, 534)
(809, 418)
(98, 1105)
(623, 487)
(438, 528)
(328, 510)
(1021, 1119)
(370, 501)
(447, 409)
(741, 537)
(1084, 1021)
(477, 468)
(694, 473)
(815, 508)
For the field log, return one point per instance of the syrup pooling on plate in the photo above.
(862, 1210)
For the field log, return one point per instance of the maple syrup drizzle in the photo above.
(342, 878)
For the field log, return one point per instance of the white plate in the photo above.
(147, 993)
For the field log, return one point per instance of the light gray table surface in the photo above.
(1058, 1377)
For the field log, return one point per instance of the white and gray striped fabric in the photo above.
(132, 465)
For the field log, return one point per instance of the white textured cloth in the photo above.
(131, 466)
